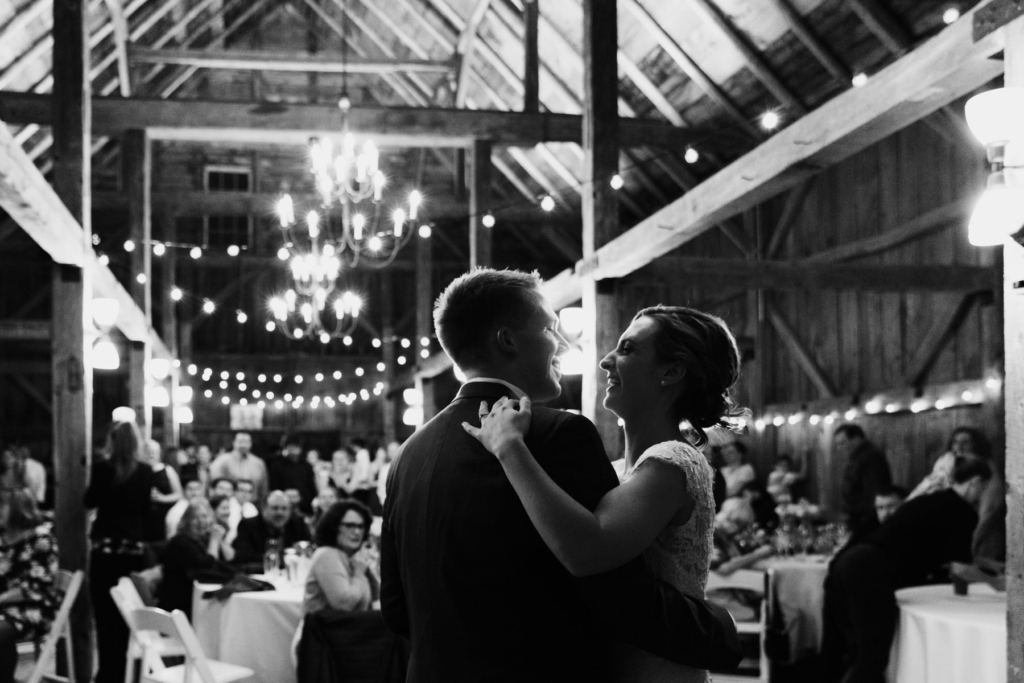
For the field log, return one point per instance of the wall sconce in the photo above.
(159, 368)
(159, 397)
(123, 414)
(996, 118)
(104, 352)
(183, 394)
(183, 415)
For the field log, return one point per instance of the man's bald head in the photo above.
(277, 509)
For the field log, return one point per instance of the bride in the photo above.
(672, 364)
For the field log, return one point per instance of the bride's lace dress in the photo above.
(679, 555)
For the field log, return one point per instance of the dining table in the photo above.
(253, 629)
(943, 637)
(798, 590)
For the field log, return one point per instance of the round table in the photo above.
(252, 629)
(948, 638)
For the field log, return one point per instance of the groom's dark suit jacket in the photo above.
(467, 578)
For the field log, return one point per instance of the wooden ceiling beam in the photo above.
(752, 58)
(22, 19)
(946, 67)
(800, 276)
(282, 123)
(815, 45)
(31, 201)
(883, 24)
(25, 330)
(197, 203)
(464, 50)
(949, 319)
(283, 61)
(690, 68)
(120, 25)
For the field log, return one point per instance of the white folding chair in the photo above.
(61, 628)
(196, 667)
(753, 582)
(127, 599)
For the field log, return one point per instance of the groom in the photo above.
(464, 574)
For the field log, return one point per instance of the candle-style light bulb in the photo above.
(399, 218)
(378, 185)
(313, 223)
(358, 223)
(415, 199)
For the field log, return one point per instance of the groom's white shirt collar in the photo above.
(515, 390)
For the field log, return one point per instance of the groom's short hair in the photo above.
(476, 303)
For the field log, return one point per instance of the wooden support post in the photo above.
(479, 202)
(388, 400)
(72, 293)
(136, 172)
(424, 319)
(531, 65)
(600, 206)
(1013, 392)
(169, 321)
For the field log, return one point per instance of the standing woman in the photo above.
(166, 492)
(28, 565)
(120, 491)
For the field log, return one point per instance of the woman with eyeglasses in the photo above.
(342, 574)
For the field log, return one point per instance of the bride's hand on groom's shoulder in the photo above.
(503, 426)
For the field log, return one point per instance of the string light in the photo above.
(691, 155)
(380, 366)
(424, 231)
(129, 245)
(208, 306)
(233, 250)
(176, 294)
(950, 15)
(617, 182)
(770, 120)
(488, 220)
(103, 260)
(195, 253)
(859, 80)
(159, 249)
(241, 316)
(141, 278)
(547, 203)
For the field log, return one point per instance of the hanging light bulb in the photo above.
(425, 231)
(176, 294)
(159, 249)
(399, 219)
(208, 306)
(159, 397)
(358, 223)
(770, 120)
(617, 182)
(159, 368)
(104, 312)
(1000, 211)
(691, 155)
(129, 245)
(547, 203)
(488, 220)
(285, 211)
(241, 316)
(195, 252)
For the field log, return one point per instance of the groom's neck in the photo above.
(504, 374)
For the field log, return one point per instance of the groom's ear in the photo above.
(505, 340)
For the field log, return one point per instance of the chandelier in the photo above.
(323, 243)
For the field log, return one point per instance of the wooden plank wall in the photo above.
(863, 341)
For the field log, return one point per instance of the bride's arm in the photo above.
(625, 522)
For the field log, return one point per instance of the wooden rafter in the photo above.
(751, 57)
(33, 392)
(120, 24)
(928, 223)
(794, 202)
(945, 327)
(690, 68)
(881, 22)
(815, 45)
(464, 49)
(803, 356)
(774, 275)
(280, 123)
(258, 60)
(944, 68)
(28, 198)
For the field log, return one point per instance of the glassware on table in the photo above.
(291, 565)
(272, 557)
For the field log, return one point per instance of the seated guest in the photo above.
(276, 522)
(193, 490)
(223, 487)
(327, 497)
(925, 533)
(28, 564)
(752, 507)
(198, 545)
(735, 471)
(341, 575)
(990, 534)
(244, 492)
(888, 500)
(221, 506)
(782, 480)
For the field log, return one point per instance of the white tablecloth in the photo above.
(251, 629)
(947, 638)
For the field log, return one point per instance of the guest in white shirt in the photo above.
(735, 471)
(193, 490)
(241, 463)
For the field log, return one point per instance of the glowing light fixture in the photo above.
(104, 312)
(104, 355)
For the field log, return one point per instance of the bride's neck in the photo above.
(645, 431)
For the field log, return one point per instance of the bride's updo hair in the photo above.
(706, 348)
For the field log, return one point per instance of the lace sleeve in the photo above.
(682, 553)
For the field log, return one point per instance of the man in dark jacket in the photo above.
(464, 574)
(276, 522)
(289, 470)
(865, 474)
(924, 534)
